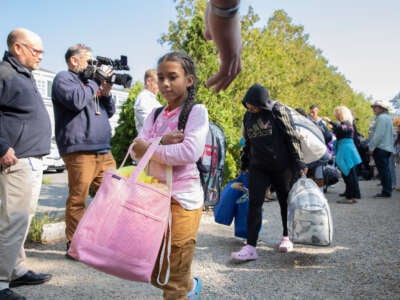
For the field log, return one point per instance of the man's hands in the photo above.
(225, 32)
(9, 159)
(105, 86)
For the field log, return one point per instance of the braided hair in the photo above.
(188, 66)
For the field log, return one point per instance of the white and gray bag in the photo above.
(309, 216)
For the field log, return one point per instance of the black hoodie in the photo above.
(271, 139)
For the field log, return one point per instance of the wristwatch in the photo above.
(224, 12)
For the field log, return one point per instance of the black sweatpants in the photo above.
(352, 188)
(259, 180)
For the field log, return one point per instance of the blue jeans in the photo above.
(381, 158)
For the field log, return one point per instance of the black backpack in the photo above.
(211, 163)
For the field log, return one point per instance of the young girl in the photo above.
(179, 148)
(347, 157)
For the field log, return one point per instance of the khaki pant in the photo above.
(19, 192)
(185, 224)
(85, 171)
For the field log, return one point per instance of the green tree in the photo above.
(277, 55)
(125, 131)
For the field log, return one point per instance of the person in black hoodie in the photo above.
(25, 133)
(272, 155)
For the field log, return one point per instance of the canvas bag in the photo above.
(225, 210)
(309, 216)
(123, 228)
(311, 137)
(242, 208)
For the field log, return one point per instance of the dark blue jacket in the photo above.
(24, 121)
(80, 125)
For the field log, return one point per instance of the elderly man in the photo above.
(381, 146)
(25, 133)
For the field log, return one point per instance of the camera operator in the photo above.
(82, 108)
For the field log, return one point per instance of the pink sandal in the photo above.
(247, 253)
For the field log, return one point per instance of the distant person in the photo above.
(381, 146)
(314, 115)
(146, 100)
(396, 155)
(316, 172)
(82, 108)
(222, 25)
(180, 148)
(272, 155)
(25, 133)
(346, 155)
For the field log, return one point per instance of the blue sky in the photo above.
(360, 38)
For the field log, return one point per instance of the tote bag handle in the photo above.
(166, 245)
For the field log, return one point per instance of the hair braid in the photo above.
(187, 107)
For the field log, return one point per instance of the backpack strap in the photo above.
(159, 110)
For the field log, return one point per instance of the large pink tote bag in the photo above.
(123, 228)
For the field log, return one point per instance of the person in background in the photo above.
(82, 108)
(314, 115)
(25, 134)
(180, 147)
(272, 155)
(146, 100)
(316, 172)
(381, 146)
(222, 25)
(395, 157)
(347, 156)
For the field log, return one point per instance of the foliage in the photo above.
(277, 55)
(396, 103)
(126, 129)
(36, 229)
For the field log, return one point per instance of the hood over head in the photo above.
(258, 95)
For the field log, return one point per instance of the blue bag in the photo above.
(242, 207)
(225, 209)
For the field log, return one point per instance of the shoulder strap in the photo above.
(159, 109)
(157, 112)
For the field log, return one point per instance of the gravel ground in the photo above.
(362, 262)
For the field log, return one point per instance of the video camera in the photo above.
(117, 64)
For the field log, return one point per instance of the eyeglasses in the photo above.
(34, 52)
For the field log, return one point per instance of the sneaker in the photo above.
(286, 245)
(247, 253)
(195, 292)
(67, 254)
(382, 195)
(346, 201)
(10, 295)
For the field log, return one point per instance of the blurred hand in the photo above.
(139, 148)
(303, 172)
(326, 119)
(9, 159)
(173, 137)
(225, 32)
(238, 186)
(105, 86)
